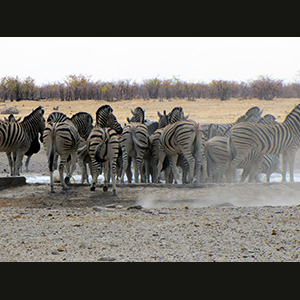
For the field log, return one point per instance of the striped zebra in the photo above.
(61, 139)
(83, 121)
(34, 146)
(102, 115)
(135, 143)
(103, 148)
(252, 115)
(16, 137)
(278, 139)
(181, 137)
(138, 116)
(218, 158)
(164, 119)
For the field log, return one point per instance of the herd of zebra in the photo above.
(204, 152)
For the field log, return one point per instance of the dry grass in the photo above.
(201, 110)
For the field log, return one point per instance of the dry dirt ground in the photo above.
(224, 222)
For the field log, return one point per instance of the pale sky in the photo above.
(193, 59)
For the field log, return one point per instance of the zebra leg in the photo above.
(84, 175)
(63, 161)
(27, 162)
(284, 166)
(95, 172)
(18, 162)
(173, 162)
(135, 169)
(10, 162)
(113, 172)
(291, 160)
(162, 156)
(51, 183)
(124, 163)
(105, 171)
(71, 168)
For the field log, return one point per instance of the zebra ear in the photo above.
(128, 120)
(132, 111)
(159, 114)
(17, 120)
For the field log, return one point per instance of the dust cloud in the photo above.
(245, 195)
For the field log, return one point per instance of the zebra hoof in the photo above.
(105, 188)
(114, 193)
(52, 191)
(67, 180)
(93, 188)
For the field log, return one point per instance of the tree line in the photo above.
(75, 87)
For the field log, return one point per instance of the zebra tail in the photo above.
(52, 153)
(98, 158)
(138, 143)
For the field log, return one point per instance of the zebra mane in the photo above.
(33, 113)
(293, 116)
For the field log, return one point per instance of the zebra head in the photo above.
(175, 115)
(114, 124)
(138, 115)
(11, 118)
(102, 115)
(163, 119)
(253, 114)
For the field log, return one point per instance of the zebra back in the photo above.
(57, 116)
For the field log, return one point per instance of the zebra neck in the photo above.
(293, 122)
(30, 126)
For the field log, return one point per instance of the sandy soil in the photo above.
(225, 222)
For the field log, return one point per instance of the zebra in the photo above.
(218, 158)
(57, 116)
(135, 143)
(103, 148)
(252, 115)
(61, 139)
(16, 137)
(102, 115)
(181, 137)
(83, 121)
(34, 146)
(164, 119)
(281, 138)
(138, 116)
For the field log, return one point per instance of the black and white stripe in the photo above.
(103, 148)
(16, 137)
(61, 139)
(135, 143)
(182, 137)
(278, 139)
